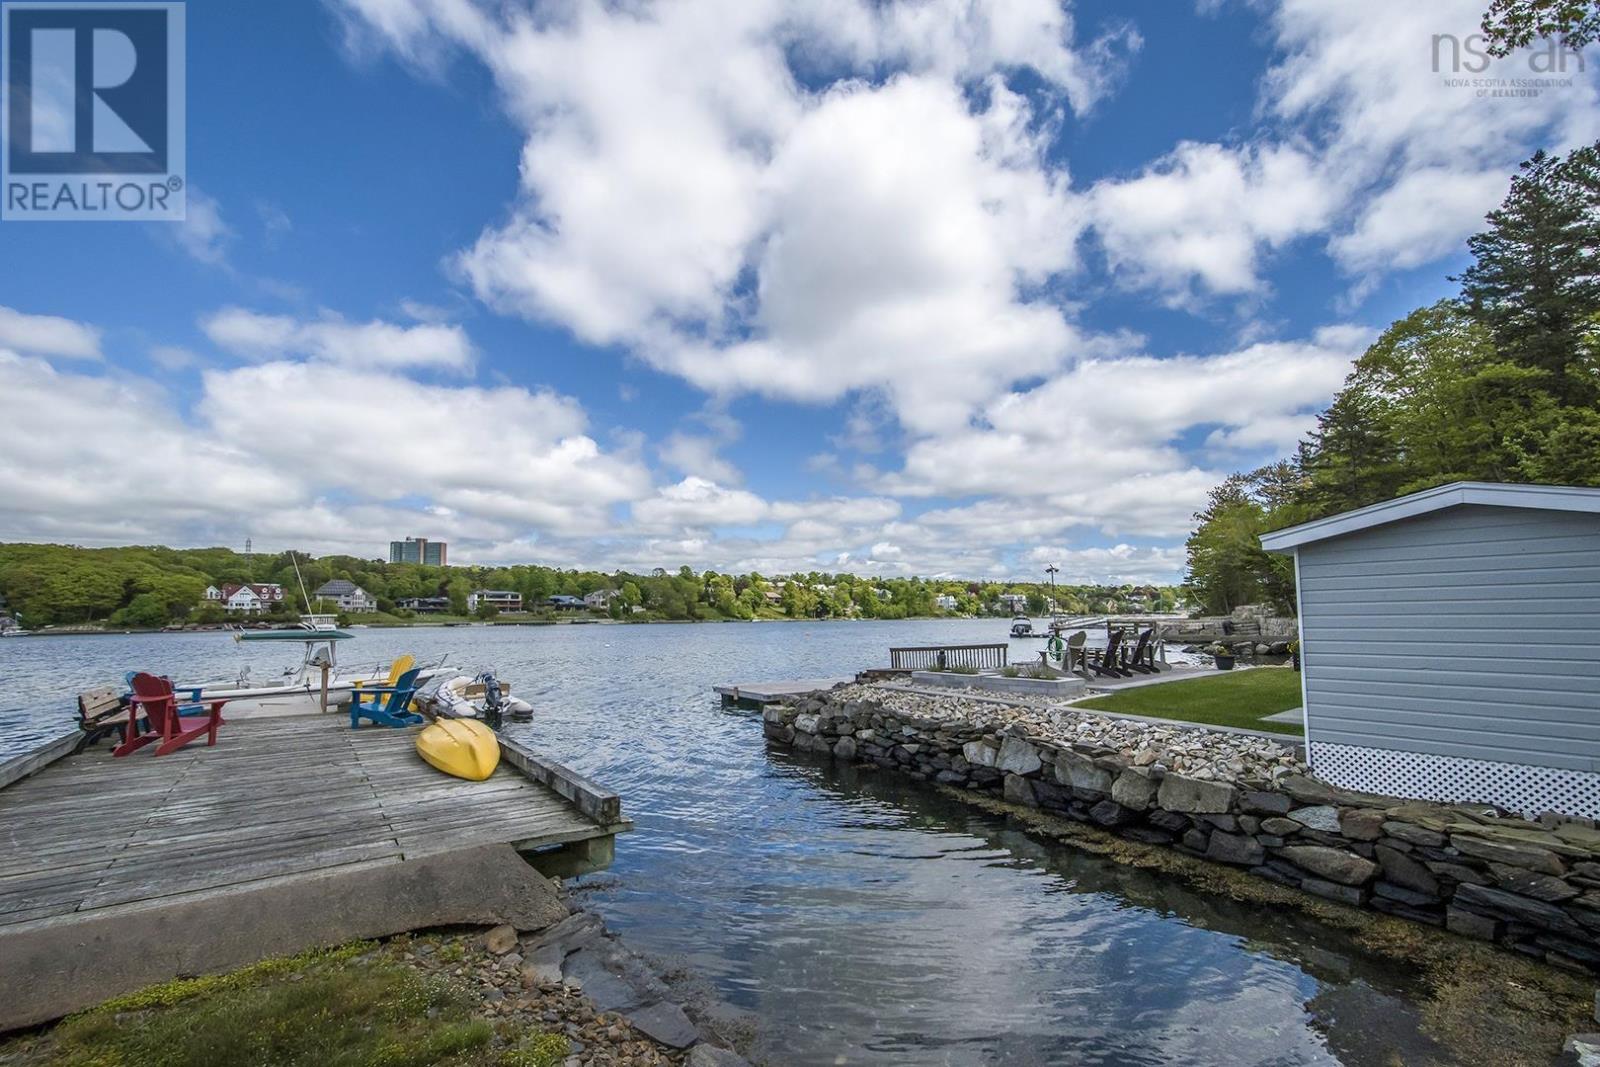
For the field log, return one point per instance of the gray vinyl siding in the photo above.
(1470, 632)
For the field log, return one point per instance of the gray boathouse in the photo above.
(1450, 645)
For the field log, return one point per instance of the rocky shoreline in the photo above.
(569, 994)
(1236, 800)
(1251, 630)
(1207, 755)
(577, 980)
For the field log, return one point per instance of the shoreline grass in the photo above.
(354, 1006)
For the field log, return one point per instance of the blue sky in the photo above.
(906, 287)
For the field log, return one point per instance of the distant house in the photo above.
(600, 599)
(773, 596)
(1014, 602)
(1447, 645)
(500, 599)
(425, 605)
(944, 602)
(212, 595)
(347, 594)
(248, 598)
(562, 602)
(242, 598)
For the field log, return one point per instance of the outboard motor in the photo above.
(493, 703)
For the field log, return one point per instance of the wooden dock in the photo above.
(276, 800)
(758, 694)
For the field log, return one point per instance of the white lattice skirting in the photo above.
(1514, 786)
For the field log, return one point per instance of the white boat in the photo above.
(302, 691)
(317, 686)
(1021, 626)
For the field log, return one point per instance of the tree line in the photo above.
(1499, 383)
(153, 586)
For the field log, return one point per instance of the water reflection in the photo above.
(931, 932)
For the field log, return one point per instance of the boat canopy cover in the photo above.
(308, 636)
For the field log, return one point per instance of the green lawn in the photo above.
(1226, 698)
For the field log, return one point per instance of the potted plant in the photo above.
(1223, 655)
(1294, 652)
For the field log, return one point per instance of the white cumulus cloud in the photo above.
(373, 344)
(48, 335)
(691, 187)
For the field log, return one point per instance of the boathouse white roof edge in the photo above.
(1492, 494)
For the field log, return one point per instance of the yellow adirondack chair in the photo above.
(396, 669)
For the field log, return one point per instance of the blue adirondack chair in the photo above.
(386, 712)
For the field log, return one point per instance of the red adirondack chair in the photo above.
(154, 699)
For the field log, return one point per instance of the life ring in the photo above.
(1055, 644)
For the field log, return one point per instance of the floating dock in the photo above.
(333, 826)
(759, 694)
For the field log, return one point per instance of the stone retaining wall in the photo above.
(1534, 886)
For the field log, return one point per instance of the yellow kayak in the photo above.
(465, 748)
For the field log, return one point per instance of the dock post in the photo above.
(574, 858)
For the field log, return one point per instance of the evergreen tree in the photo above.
(1430, 402)
(1227, 566)
(1535, 282)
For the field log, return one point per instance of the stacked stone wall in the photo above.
(1533, 886)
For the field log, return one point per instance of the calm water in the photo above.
(862, 920)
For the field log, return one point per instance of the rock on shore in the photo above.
(576, 980)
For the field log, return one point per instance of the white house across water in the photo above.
(1450, 645)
